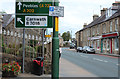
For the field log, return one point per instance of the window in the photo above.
(29, 36)
(98, 29)
(15, 34)
(4, 32)
(104, 44)
(93, 31)
(116, 24)
(110, 26)
(98, 44)
(18, 34)
(33, 37)
(104, 28)
(25, 35)
(8, 32)
(36, 37)
(108, 44)
(116, 44)
(11, 33)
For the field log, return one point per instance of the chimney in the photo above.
(95, 16)
(85, 24)
(103, 11)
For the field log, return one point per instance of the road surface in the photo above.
(73, 64)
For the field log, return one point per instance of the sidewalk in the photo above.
(68, 69)
(32, 75)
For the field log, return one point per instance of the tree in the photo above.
(66, 36)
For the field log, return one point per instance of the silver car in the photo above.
(79, 49)
(88, 49)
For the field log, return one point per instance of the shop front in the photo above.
(109, 43)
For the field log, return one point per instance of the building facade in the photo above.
(103, 32)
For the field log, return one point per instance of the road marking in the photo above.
(100, 60)
(84, 56)
(105, 61)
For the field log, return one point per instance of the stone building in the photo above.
(103, 32)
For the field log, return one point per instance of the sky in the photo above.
(76, 12)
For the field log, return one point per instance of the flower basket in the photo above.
(8, 74)
(11, 69)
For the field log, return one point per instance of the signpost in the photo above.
(33, 15)
(41, 15)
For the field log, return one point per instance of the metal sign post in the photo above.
(23, 48)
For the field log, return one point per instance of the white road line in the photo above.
(84, 56)
(100, 60)
(105, 61)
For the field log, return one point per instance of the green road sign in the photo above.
(33, 15)
(33, 21)
(33, 7)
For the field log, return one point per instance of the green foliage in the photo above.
(66, 36)
(29, 51)
(39, 49)
(33, 43)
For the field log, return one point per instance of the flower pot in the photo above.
(8, 74)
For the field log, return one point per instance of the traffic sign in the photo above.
(33, 21)
(33, 7)
(48, 36)
(33, 14)
(56, 11)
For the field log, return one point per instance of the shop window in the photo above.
(104, 45)
(98, 44)
(108, 44)
(116, 44)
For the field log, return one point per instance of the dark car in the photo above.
(79, 49)
(88, 49)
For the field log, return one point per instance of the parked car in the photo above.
(79, 49)
(88, 49)
(72, 46)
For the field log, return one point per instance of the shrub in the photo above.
(29, 51)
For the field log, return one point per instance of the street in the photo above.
(74, 64)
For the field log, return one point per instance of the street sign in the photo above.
(33, 21)
(33, 7)
(56, 11)
(33, 15)
(48, 36)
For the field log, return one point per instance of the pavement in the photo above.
(68, 69)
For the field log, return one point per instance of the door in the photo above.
(111, 46)
(102, 46)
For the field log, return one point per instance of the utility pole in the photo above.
(55, 48)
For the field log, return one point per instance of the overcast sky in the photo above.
(77, 12)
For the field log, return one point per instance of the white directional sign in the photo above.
(56, 11)
(36, 20)
(19, 4)
(19, 20)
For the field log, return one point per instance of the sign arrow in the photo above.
(19, 20)
(19, 4)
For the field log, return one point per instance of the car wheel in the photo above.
(86, 52)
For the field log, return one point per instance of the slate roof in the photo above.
(7, 18)
(102, 19)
